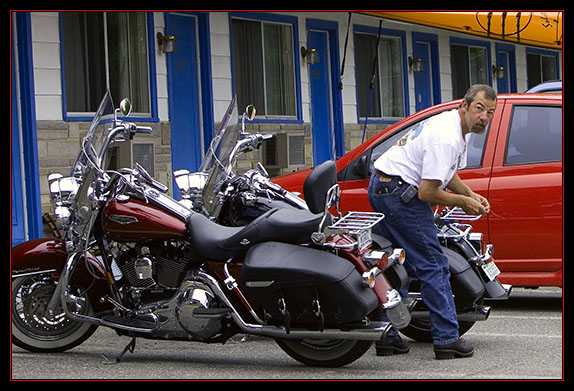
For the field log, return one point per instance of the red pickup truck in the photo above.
(516, 164)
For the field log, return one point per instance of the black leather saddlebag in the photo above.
(466, 285)
(299, 286)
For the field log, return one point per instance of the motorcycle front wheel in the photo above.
(32, 329)
(324, 353)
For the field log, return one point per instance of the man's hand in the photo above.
(483, 201)
(473, 207)
(457, 186)
(472, 203)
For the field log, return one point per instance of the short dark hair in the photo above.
(489, 92)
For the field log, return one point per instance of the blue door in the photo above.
(326, 101)
(320, 80)
(183, 85)
(503, 84)
(506, 61)
(423, 85)
(427, 79)
(26, 209)
(17, 204)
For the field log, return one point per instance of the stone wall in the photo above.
(59, 143)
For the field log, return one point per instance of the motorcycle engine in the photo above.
(153, 264)
(194, 298)
(157, 278)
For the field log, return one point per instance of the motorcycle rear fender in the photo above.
(396, 274)
(49, 255)
(494, 289)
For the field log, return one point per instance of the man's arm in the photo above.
(457, 186)
(429, 190)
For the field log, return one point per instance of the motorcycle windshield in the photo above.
(215, 153)
(92, 153)
(217, 159)
(88, 165)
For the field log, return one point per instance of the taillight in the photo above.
(377, 258)
(382, 259)
(377, 261)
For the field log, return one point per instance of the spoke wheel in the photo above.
(33, 329)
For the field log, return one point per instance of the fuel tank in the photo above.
(134, 220)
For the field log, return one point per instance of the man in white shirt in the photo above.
(409, 178)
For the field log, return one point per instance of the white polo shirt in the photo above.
(433, 150)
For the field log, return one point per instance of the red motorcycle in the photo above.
(135, 260)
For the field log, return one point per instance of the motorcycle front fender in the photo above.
(48, 255)
(38, 256)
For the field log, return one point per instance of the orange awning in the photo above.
(541, 28)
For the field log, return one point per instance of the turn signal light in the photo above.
(368, 278)
(399, 255)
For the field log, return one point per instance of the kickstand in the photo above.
(129, 347)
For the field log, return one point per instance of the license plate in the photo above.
(491, 270)
(364, 239)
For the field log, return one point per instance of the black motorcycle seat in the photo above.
(219, 243)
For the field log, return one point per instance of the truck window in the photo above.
(535, 135)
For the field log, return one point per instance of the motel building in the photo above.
(322, 81)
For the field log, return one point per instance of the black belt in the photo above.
(386, 178)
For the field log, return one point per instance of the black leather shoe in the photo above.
(390, 345)
(459, 348)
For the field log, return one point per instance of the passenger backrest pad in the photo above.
(319, 181)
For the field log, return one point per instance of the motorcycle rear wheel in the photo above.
(324, 353)
(32, 329)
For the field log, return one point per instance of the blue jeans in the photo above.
(411, 227)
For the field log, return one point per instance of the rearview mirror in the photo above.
(250, 112)
(361, 167)
(125, 107)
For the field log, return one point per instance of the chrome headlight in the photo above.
(62, 193)
(188, 182)
(190, 187)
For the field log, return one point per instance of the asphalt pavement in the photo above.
(522, 339)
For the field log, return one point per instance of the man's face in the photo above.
(478, 114)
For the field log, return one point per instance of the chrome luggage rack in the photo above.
(449, 224)
(457, 214)
(358, 224)
(353, 222)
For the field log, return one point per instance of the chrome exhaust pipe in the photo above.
(480, 313)
(374, 331)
